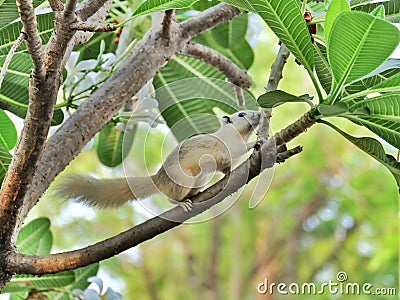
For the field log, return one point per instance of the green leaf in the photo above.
(386, 128)
(81, 280)
(10, 32)
(28, 282)
(191, 111)
(35, 238)
(278, 97)
(332, 110)
(335, 8)
(150, 6)
(8, 133)
(390, 68)
(383, 105)
(373, 148)
(392, 9)
(229, 40)
(114, 145)
(9, 11)
(355, 55)
(322, 67)
(19, 296)
(14, 96)
(5, 160)
(390, 84)
(286, 21)
(378, 12)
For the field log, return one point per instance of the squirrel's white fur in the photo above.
(183, 173)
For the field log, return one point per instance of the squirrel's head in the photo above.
(245, 121)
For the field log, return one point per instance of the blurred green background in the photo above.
(330, 209)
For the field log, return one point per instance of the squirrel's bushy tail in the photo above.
(103, 193)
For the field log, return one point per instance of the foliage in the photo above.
(355, 80)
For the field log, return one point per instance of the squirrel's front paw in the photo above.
(186, 204)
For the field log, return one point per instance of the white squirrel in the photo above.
(182, 175)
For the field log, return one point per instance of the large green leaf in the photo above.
(390, 84)
(28, 282)
(150, 6)
(114, 145)
(5, 160)
(229, 40)
(335, 8)
(355, 55)
(392, 9)
(384, 105)
(373, 148)
(189, 111)
(10, 32)
(35, 238)
(387, 128)
(9, 11)
(286, 21)
(8, 133)
(322, 67)
(373, 82)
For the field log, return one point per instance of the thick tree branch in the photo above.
(43, 89)
(231, 71)
(77, 38)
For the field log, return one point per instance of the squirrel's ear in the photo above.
(226, 120)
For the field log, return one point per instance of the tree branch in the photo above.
(56, 5)
(211, 17)
(231, 71)
(92, 27)
(273, 81)
(89, 8)
(166, 25)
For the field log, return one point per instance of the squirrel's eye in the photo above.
(241, 114)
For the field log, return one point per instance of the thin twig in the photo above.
(281, 157)
(92, 27)
(273, 81)
(231, 71)
(166, 25)
(10, 55)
